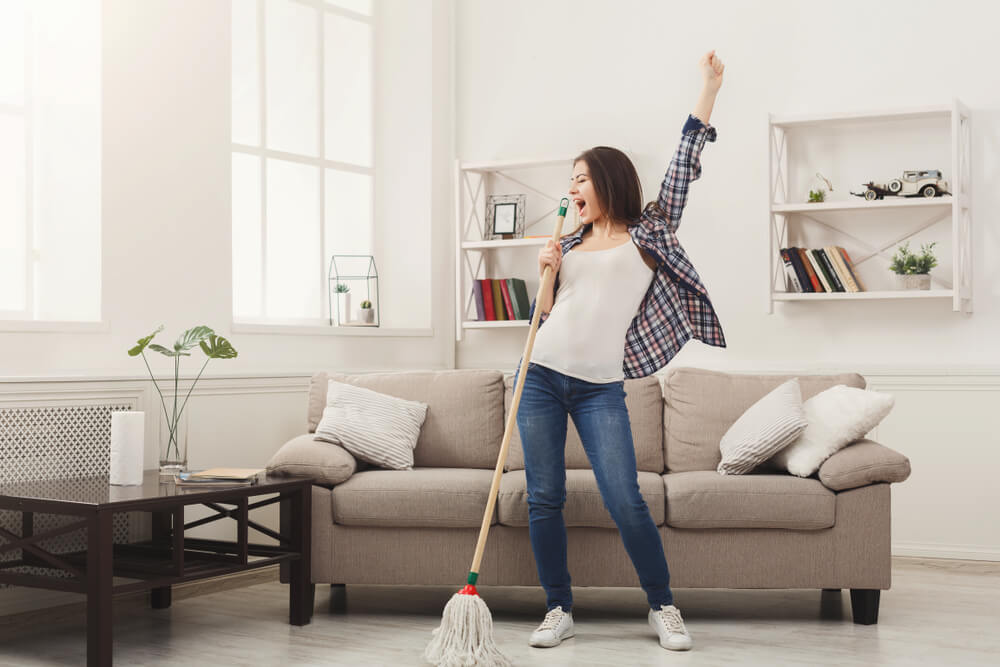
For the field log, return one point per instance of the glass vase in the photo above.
(173, 444)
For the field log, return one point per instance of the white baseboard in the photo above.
(948, 551)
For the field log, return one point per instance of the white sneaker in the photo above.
(557, 626)
(669, 625)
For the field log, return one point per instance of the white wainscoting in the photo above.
(948, 424)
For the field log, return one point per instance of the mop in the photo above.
(465, 636)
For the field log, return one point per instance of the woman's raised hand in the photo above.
(550, 255)
(711, 69)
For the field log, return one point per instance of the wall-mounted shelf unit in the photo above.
(475, 256)
(842, 217)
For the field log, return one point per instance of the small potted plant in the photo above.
(366, 313)
(819, 188)
(913, 271)
(343, 302)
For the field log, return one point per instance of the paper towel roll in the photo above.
(128, 430)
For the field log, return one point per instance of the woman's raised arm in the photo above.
(685, 166)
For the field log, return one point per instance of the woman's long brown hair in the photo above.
(616, 184)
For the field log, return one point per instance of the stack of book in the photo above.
(501, 299)
(218, 477)
(826, 269)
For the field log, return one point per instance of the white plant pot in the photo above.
(366, 315)
(913, 281)
(344, 309)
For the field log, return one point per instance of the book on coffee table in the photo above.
(218, 477)
(227, 473)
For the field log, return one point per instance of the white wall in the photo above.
(554, 78)
(549, 79)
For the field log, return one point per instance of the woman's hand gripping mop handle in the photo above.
(547, 278)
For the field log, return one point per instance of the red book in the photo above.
(807, 265)
(506, 299)
(488, 299)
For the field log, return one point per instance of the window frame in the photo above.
(15, 321)
(263, 153)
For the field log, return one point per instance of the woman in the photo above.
(627, 280)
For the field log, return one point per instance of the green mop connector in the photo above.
(472, 578)
(563, 205)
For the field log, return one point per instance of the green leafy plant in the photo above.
(366, 304)
(905, 262)
(214, 347)
(816, 196)
(342, 288)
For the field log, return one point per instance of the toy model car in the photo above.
(913, 184)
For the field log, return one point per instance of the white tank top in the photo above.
(599, 295)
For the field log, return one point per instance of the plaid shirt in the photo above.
(676, 307)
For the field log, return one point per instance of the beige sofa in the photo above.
(760, 530)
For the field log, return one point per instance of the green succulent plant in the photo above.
(905, 262)
(816, 196)
(366, 304)
(342, 288)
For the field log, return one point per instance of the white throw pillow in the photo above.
(837, 417)
(768, 426)
(374, 427)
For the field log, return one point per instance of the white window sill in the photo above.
(52, 326)
(327, 330)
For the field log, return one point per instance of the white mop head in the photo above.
(465, 636)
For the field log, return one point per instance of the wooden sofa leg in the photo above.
(338, 598)
(864, 605)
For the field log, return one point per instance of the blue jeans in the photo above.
(601, 418)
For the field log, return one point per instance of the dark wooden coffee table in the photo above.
(168, 558)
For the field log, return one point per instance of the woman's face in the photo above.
(582, 192)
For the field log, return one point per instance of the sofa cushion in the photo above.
(644, 401)
(372, 426)
(317, 400)
(837, 417)
(700, 405)
(584, 504)
(770, 425)
(861, 463)
(706, 499)
(422, 497)
(327, 463)
(464, 423)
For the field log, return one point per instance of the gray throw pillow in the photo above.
(768, 426)
(302, 456)
(374, 427)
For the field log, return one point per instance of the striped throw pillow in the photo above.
(768, 426)
(374, 427)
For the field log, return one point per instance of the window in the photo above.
(50, 164)
(302, 163)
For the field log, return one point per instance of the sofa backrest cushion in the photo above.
(700, 405)
(464, 423)
(644, 401)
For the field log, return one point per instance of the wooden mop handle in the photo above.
(547, 277)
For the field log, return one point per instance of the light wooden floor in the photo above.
(938, 612)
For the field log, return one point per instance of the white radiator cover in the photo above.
(64, 442)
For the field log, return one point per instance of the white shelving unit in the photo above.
(475, 257)
(785, 211)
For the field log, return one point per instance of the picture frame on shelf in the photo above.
(505, 217)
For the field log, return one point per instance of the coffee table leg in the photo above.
(301, 591)
(99, 583)
(160, 598)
